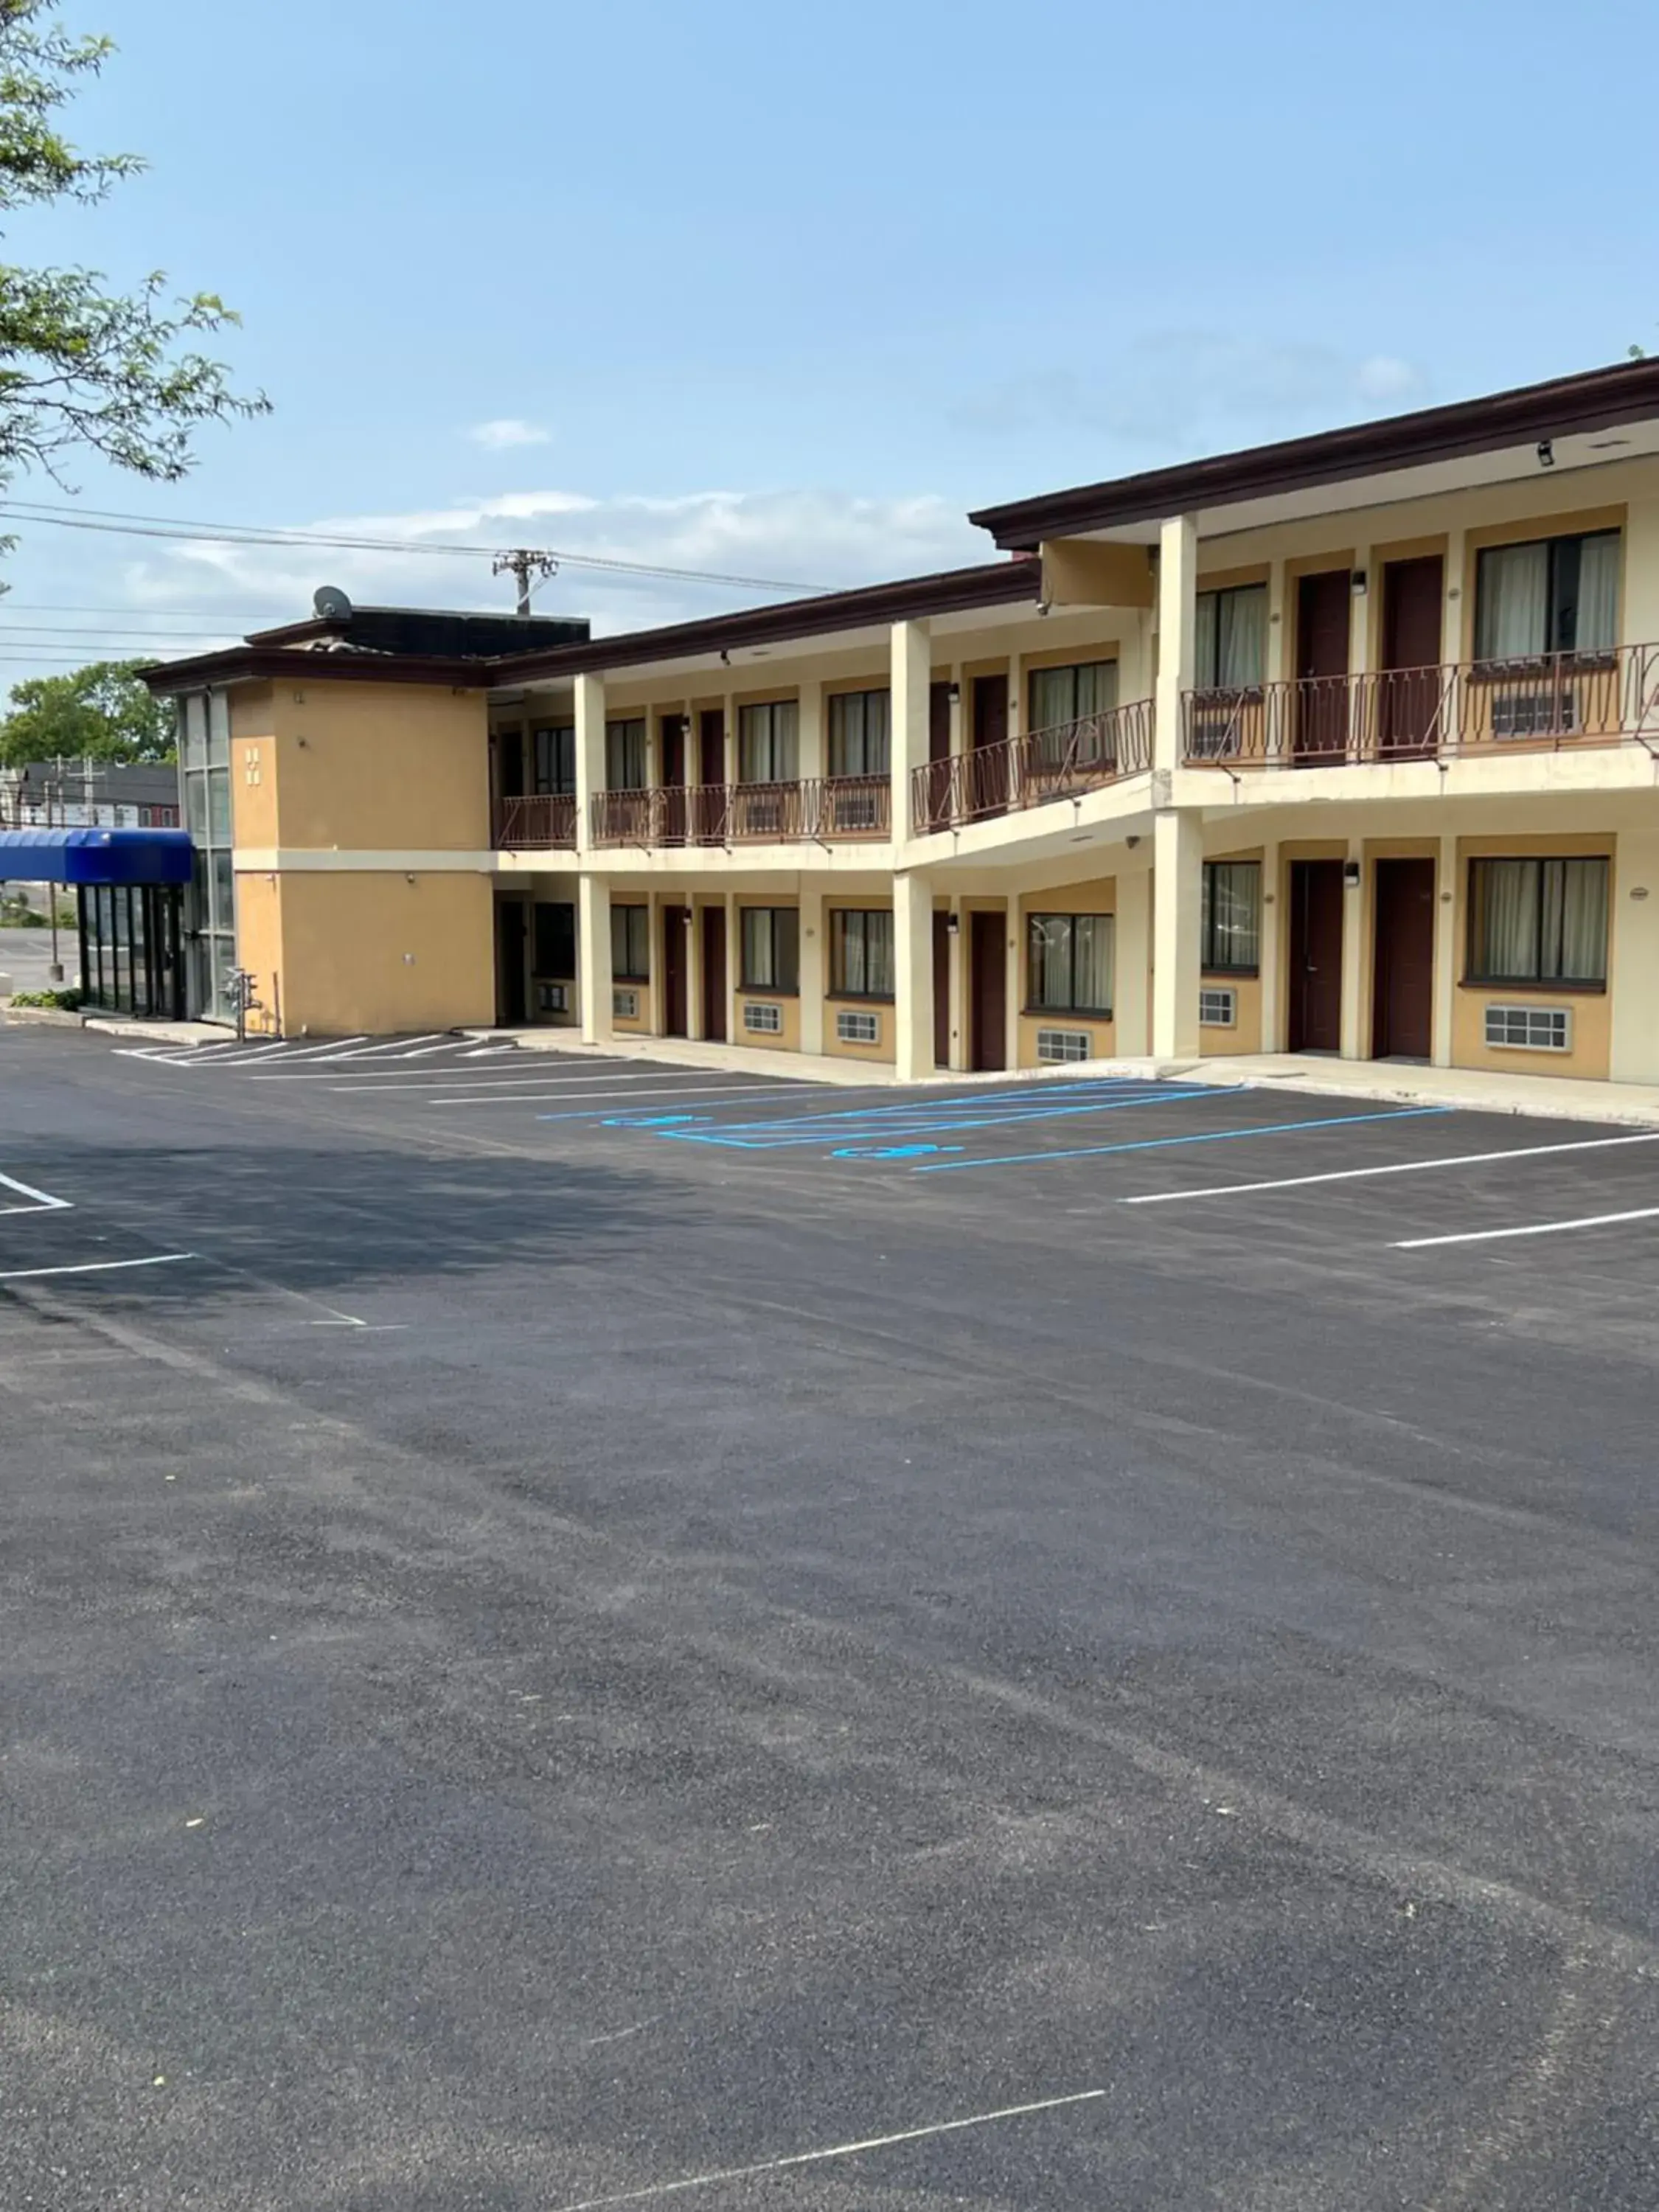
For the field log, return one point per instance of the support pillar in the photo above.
(911, 664)
(813, 978)
(1131, 960)
(1356, 901)
(1270, 952)
(590, 755)
(913, 971)
(1177, 628)
(1447, 951)
(594, 957)
(1633, 958)
(1177, 912)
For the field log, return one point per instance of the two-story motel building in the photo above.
(1345, 744)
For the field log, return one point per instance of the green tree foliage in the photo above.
(101, 712)
(81, 369)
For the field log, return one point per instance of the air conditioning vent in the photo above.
(1547, 712)
(1218, 1009)
(1064, 1044)
(625, 1006)
(553, 998)
(854, 1027)
(763, 1019)
(1529, 1029)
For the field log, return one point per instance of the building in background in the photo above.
(1345, 745)
(88, 794)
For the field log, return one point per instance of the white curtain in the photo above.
(1506, 933)
(1233, 904)
(1575, 895)
(1241, 642)
(766, 739)
(1598, 593)
(860, 725)
(1092, 963)
(1070, 962)
(1512, 602)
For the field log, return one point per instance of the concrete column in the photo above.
(1359, 650)
(912, 672)
(1633, 956)
(812, 745)
(1356, 901)
(693, 963)
(1270, 952)
(593, 955)
(912, 970)
(733, 950)
(1177, 625)
(590, 758)
(814, 970)
(1274, 668)
(1131, 960)
(1014, 991)
(1452, 644)
(1448, 953)
(957, 940)
(1177, 911)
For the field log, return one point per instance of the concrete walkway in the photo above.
(1565, 1098)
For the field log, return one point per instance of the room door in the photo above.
(672, 737)
(1402, 1000)
(988, 989)
(713, 974)
(709, 804)
(1413, 595)
(1322, 610)
(987, 781)
(938, 811)
(1315, 979)
(676, 965)
(941, 990)
(511, 938)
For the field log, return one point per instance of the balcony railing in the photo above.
(1547, 702)
(1061, 762)
(821, 809)
(542, 818)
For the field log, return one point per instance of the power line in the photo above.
(117, 522)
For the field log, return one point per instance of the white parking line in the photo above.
(391, 1044)
(373, 1077)
(40, 1201)
(93, 1266)
(515, 1097)
(1528, 1229)
(1396, 1167)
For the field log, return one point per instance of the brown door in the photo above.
(676, 962)
(1413, 594)
(938, 810)
(1322, 610)
(710, 802)
(671, 735)
(713, 974)
(1403, 997)
(1316, 1009)
(941, 990)
(988, 984)
(511, 938)
(987, 781)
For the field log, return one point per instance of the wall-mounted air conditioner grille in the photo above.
(763, 1019)
(1543, 713)
(1530, 1028)
(854, 1027)
(553, 998)
(1064, 1044)
(1218, 1009)
(625, 1006)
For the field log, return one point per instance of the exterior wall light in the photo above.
(953, 925)
(1357, 582)
(1350, 874)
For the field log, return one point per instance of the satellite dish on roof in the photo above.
(329, 603)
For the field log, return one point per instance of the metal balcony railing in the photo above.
(819, 810)
(1545, 701)
(538, 819)
(1060, 763)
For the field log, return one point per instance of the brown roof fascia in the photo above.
(995, 583)
(1569, 405)
(250, 664)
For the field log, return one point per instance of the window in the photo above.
(860, 953)
(1058, 1045)
(771, 948)
(1058, 695)
(1231, 643)
(556, 937)
(1529, 1029)
(554, 759)
(860, 733)
(1538, 921)
(854, 1027)
(1231, 942)
(1554, 595)
(624, 756)
(630, 943)
(766, 742)
(1069, 962)
(763, 1018)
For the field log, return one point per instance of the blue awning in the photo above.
(95, 856)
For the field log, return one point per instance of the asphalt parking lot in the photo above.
(586, 1633)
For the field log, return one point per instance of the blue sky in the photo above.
(781, 291)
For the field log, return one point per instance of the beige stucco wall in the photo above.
(379, 953)
(361, 767)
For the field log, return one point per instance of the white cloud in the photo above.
(783, 539)
(1384, 376)
(506, 431)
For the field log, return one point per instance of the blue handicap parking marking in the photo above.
(888, 1152)
(1189, 1137)
(878, 1131)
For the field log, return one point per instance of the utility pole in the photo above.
(522, 565)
